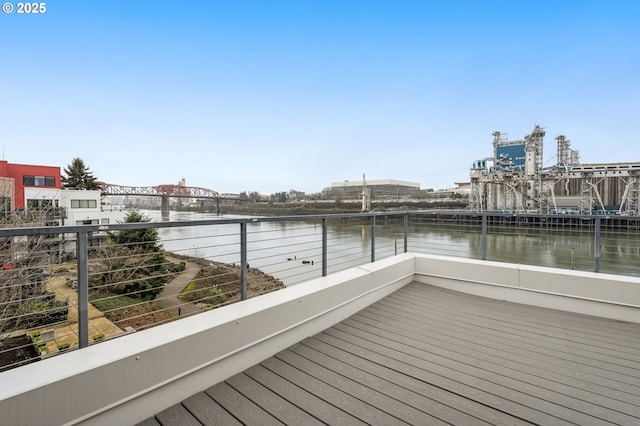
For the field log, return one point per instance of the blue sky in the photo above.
(274, 95)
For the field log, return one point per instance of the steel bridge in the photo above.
(167, 191)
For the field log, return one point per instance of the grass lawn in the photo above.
(107, 302)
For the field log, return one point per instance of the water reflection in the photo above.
(292, 251)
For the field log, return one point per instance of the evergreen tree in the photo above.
(146, 238)
(78, 176)
(142, 259)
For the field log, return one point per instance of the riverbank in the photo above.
(443, 212)
(314, 207)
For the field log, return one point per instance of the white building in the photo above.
(79, 207)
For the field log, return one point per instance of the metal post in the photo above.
(82, 249)
(596, 246)
(406, 231)
(324, 246)
(243, 261)
(483, 241)
(373, 238)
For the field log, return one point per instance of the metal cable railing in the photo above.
(115, 285)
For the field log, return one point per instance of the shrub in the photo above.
(179, 267)
(184, 294)
(216, 297)
(36, 313)
(197, 293)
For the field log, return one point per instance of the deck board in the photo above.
(558, 397)
(505, 349)
(412, 393)
(315, 406)
(372, 394)
(175, 415)
(487, 355)
(271, 402)
(566, 350)
(524, 352)
(241, 407)
(552, 332)
(427, 355)
(151, 421)
(334, 396)
(207, 411)
(513, 313)
(545, 339)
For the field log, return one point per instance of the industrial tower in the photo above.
(516, 179)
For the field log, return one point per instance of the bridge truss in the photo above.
(166, 191)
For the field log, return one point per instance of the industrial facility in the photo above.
(379, 189)
(516, 180)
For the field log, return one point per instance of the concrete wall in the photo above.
(130, 378)
(610, 296)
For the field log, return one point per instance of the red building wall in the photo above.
(18, 171)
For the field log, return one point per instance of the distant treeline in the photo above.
(328, 207)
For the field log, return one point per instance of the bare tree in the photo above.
(25, 263)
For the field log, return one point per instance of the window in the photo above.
(84, 204)
(5, 204)
(41, 204)
(38, 180)
(88, 222)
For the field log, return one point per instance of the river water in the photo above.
(292, 251)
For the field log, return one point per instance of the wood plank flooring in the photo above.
(429, 356)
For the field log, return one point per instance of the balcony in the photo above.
(412, 338)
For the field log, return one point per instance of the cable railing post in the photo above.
(405, 230)
(243, 260)
(82, 249)
(324, 246)
(596, 245)
(373, 238)
(483, 241)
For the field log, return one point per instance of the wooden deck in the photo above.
(428, 356)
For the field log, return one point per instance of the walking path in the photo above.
(99, 324)
(68, 333)
(169, 300)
